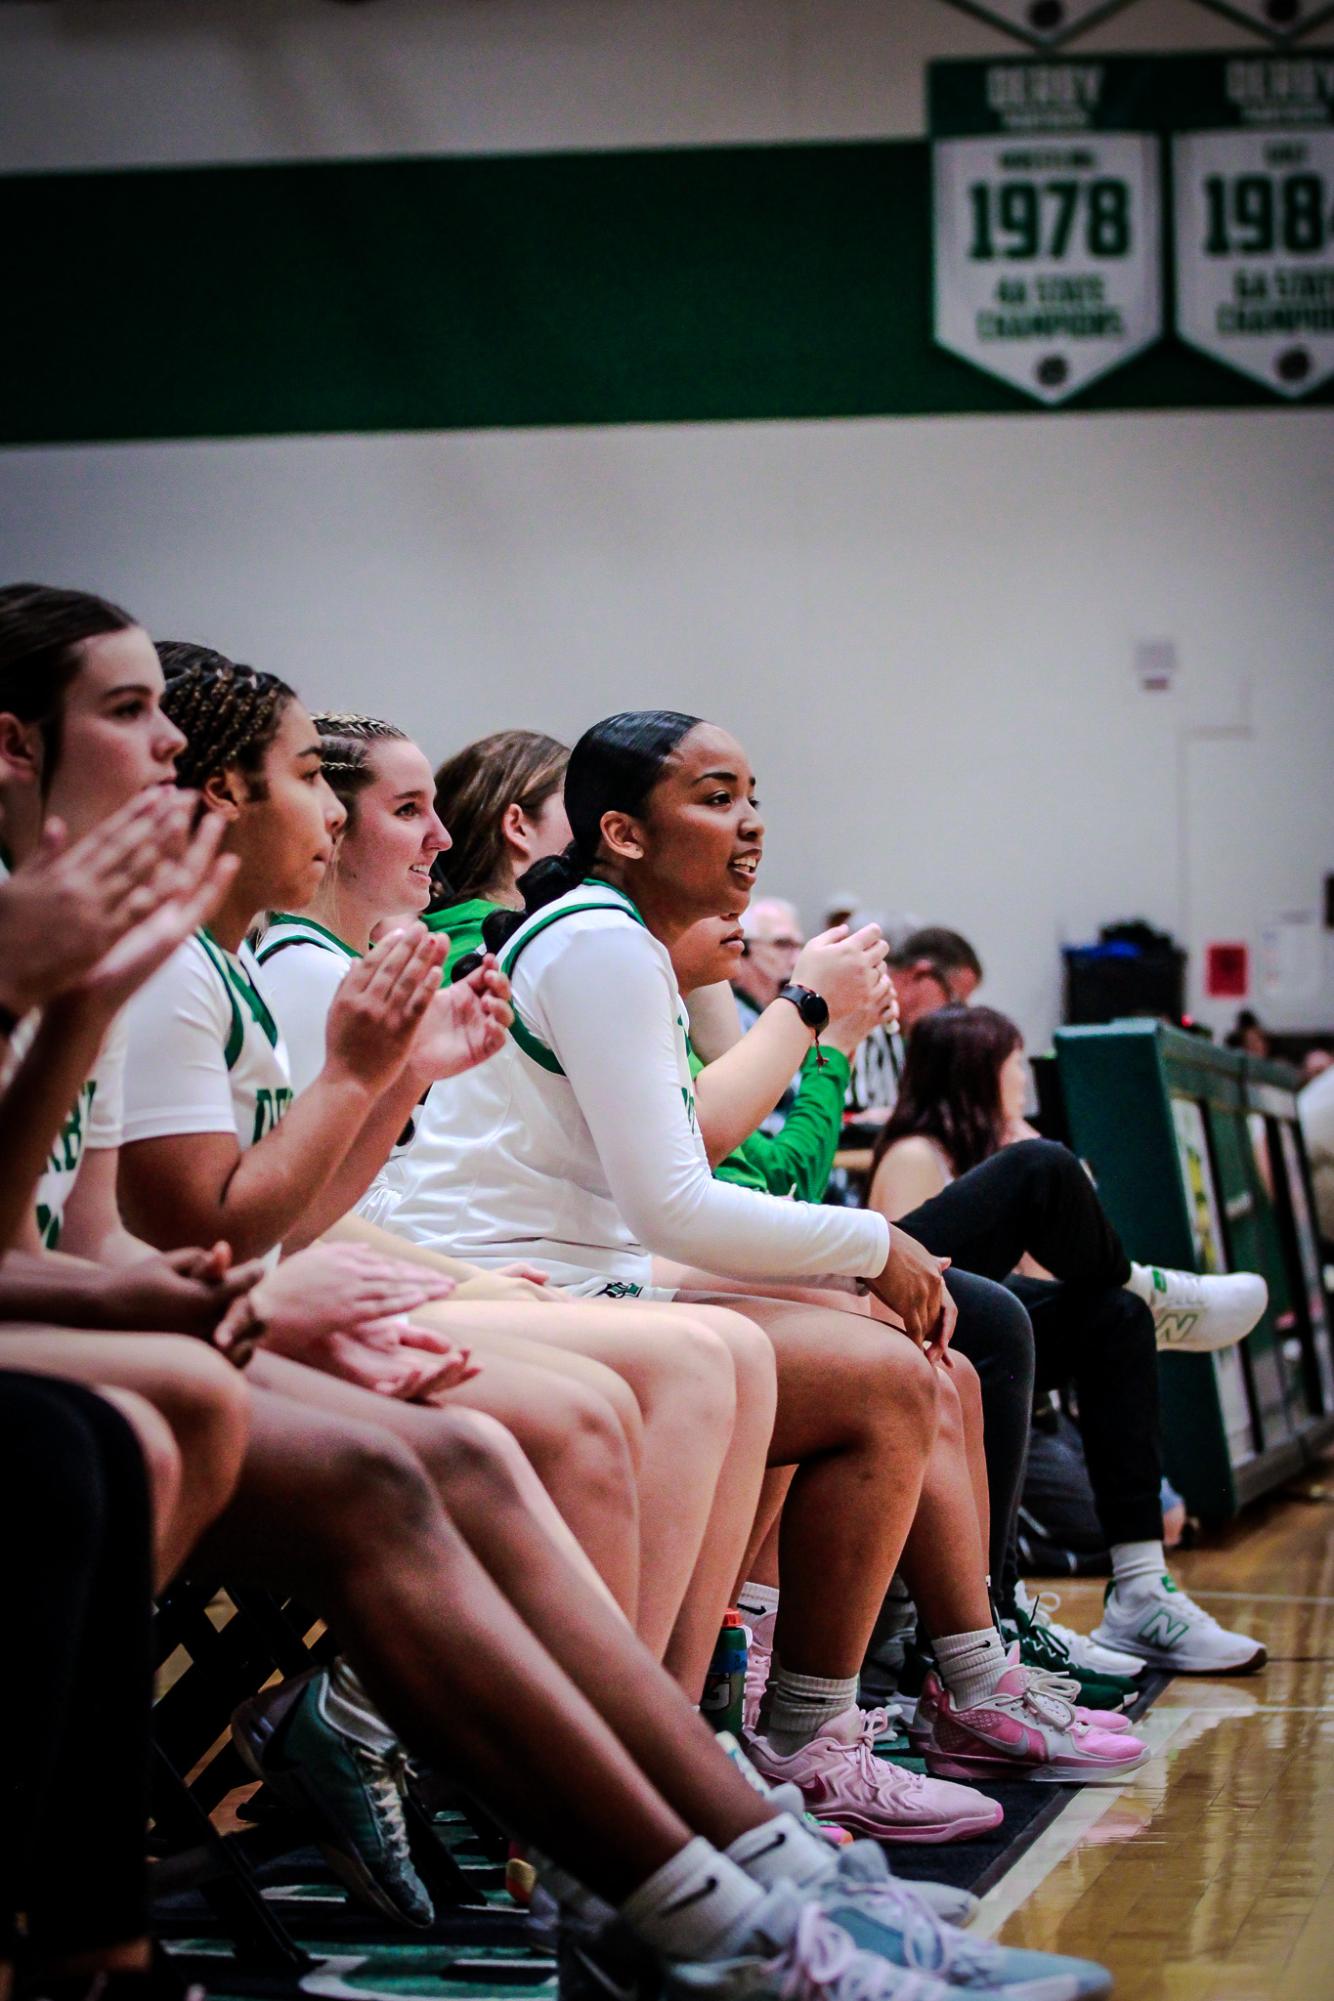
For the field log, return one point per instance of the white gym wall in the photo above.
(923, 629)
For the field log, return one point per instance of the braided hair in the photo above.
(229, 714)
(42, 635)
(345, 757)
(612, 769)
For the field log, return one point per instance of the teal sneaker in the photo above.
(355, 1793)
(885, 1916)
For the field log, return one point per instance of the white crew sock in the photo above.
(971, 1664)
(1136, 1567)
(782, 1850)
(795, 1706)
(697, 1906)
(346, 1706)
(756, 1600)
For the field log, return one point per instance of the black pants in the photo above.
(75, 1668)
(1036, 1198)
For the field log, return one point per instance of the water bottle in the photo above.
(725, 1683)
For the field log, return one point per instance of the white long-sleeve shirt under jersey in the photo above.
(577, 1147)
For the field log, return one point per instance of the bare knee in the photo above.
(577, 1442)
(963, 1379)
(370, 1486)
(158, 1449)
(613, 1392)
(205, 1402)
(754, 1363)
(702, 1373)
(907, 1388)
(469, 1453)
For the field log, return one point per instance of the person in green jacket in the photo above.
(796, 1160)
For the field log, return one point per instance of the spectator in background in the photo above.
(930, 968)
(954, 1169)
(1248, 1034)
(1315, 1106)
(773, 939)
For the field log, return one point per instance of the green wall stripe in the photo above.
(650, 287)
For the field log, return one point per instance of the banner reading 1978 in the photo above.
(1254, 217)
(1047, 222)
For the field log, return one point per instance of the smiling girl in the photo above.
(585, 1151)
(698, 1481)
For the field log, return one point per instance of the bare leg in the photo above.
(703, 1379)
(968, 1389)
(856, 1416)
(942, 1547)
(573, 1437)
(682, 1375)
(635, 1696)
(945, 1558)
(762, 1558)
(201, 1397)
(163, 1465)
(453, 1666)
(736, 1497)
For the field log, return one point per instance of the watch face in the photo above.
(812, 1008)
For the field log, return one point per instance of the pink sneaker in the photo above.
(1026, 1729)
(839, 1775)
(1110, 1721)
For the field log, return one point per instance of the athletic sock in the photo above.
(1136, 1566)
(782, 1850)
(795, 1705)
(971, 1664)
(757, 1600)
(346, 1707)
(697, 1906)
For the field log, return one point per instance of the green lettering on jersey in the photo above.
(68, 1149)
(270, 1104)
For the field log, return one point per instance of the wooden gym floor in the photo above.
(1210, 1875)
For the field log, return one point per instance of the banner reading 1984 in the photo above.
(1047, 222)
(1254, 217)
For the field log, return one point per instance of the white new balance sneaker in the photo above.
(1084, 1652)
(1195, 1315)
(1163, 1626)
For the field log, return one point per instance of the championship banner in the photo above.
(1254, 217)
(1043, 23)
(1046, 222)
(1281, 20)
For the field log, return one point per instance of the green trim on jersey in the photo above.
(299, 930)
(532, 1045)
(235, 983)
(463, 922)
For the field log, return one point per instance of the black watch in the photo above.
(814, 1011)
